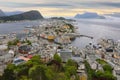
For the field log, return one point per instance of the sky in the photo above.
(63, 8)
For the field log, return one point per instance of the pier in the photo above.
(77, 35)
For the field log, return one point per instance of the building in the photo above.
(65, 54)
(11, 52)
(25, 49)
(21, 36)
(50, 37)
(3, 47)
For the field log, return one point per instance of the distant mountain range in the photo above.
(89, 15)
(30, 15)
(114, 15)
(13, 13)
(2, 13)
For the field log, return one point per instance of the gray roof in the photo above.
(64, 51)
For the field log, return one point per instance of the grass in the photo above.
(102, 62)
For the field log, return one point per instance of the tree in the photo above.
(23, 78)
(21, 70)
(14, 42)
(9, 73)
(37, 73)
(29, 43)
(89, 71)
(70, 70)
(9, 44)
(49, 74)
(70, 62)
(36, 60)
(57, 58)
(107, 68)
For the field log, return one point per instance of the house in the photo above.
(3, 47)
(77, 59)
(109, 50)
(117, 72)
(65, 54)
(81, 67)
(21, 36)
(11, 52)
(2, 53)
(94, 65)
(25, 49)
(51, 37)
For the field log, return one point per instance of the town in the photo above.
(99, 61)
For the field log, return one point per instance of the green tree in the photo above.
(70, 70)
(9, 73)
(71, 62)
(21, 70)
(57, 58)
(15, 41)
(49, 73)
(37, 73)
(29, 42)
(23, 78)
(107, 68)
(36, 60)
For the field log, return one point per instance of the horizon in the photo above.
(68, 8)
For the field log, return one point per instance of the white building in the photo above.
(3, 47)
(65, 54)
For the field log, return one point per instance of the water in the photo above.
(97, 28)
(10, 27)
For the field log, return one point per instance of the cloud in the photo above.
(111, 4)
(65, 4)
(62, 8)
(19, 5)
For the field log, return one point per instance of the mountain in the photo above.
(2, 13)
(13, 13)
(59, 18)
(30, 15)
(89, 15)
(114, 15)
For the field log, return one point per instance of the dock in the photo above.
(77, 35)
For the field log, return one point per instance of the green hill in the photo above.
(30, 15)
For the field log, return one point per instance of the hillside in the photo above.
(30, 15)
(2, 13)
(89, 15)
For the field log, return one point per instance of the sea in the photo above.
(97, 28)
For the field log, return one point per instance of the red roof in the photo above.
(29, 56)
(24, 58)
